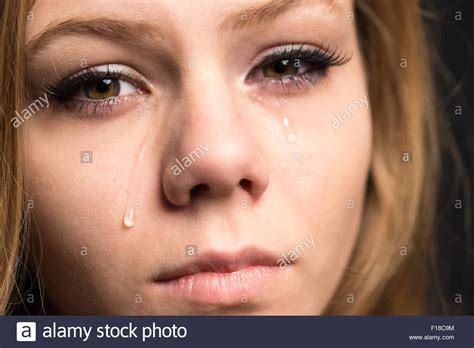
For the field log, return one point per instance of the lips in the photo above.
(221, 278)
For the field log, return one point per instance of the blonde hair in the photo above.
(400, 199)
(12, 73)
(388, 273)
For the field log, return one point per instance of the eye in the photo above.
(280, 69)
(106, 89)
(98, 88)
(284, 68)
(296, 64)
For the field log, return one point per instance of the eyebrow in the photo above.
(124, 31)
(260, 14)
(127, 31)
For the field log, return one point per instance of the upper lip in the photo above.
(219, 262)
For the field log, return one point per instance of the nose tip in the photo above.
(231, 166)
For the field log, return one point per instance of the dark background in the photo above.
(454, 62)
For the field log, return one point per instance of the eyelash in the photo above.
(321, 58)
(61, 91)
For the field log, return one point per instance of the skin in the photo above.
(91, 263)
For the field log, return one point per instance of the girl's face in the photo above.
(195, 157)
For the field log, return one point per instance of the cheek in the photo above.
(79, 170)
(325, 175)
(342, 163)
(79, 201)
(332, 183)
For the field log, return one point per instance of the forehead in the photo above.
(193, 15)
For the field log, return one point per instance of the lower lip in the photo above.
(223, 288)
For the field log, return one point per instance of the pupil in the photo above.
(103, 85)
(281, 66)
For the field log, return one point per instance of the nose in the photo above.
(214, 154)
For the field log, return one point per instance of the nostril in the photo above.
(246, 184)
(198, 189)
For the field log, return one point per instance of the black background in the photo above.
(453, 54)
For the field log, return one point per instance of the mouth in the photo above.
(217, 278)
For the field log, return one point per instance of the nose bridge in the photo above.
(209, 102)
(214, 154)
(208, 111)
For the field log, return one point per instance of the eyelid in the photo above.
(260, 59)
(109, 69)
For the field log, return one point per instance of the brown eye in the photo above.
(102, 89)
(281, 68)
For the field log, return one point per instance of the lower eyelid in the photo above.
(99, 108)
(305, 75)
(289, 84)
